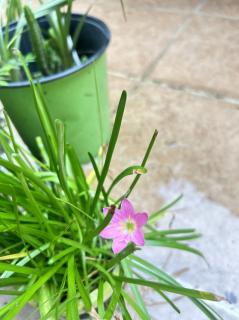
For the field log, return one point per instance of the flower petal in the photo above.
(118, 245)
(105, 210)
(141, 219)
(118, 216)
(111, 231)
(127, 207)
(138, 237)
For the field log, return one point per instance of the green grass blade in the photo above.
(172, 235)
(12, 281)
(9, 126)
(137, 295)
(154, 216)
(135, 306)
(76, 244)
(152, 270)
(10, 292)
(60, 132)
(207, 310)
(100, 299)
(84, 294)
(79, 27)
(125, 313)
(161, 293)
(173, 245)
(49, 6)
(45, 298)
(17, 269)
(34, 205)
(60, 255)
(170, 232)
(28, 294)
(122, 255)
(113, 301)
(169, 301)
(72, 306)
(111, 147)
(144, 161)
(97, 173)
(37, 41)
(105, 273)
(171, 288)
(21, 263)
(36, 181)
(127, 172)
(77, 170)
(44, 116)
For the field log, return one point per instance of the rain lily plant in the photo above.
(53, 49)
(57, 227)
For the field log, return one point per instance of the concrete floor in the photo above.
(178, 61)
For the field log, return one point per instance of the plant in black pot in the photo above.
(66, 54)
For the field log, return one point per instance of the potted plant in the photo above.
(56, 232)
(66, 55)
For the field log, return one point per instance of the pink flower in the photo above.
(125, 226)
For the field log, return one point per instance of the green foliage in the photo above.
(9, 66)
(53, 50)
(37, 41)
(50, 220)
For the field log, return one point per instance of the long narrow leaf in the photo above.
(111, 147)
(27, 296)
(173, 289)
(127, 172)
(144, 161)
(72, 308)
(159, 213)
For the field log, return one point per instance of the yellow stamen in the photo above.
(128, 225)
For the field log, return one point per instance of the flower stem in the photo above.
(45, 301)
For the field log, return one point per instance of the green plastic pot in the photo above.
(78, 96)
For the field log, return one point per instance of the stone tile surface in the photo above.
(229, 8)
(220, 276)
(116, 86)
(137, 41)
(181, 5)
(205, 56)
(197, 141)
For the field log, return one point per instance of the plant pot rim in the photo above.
(89, 20)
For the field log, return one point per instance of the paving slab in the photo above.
(196, 210)
(181, 5)
(197, 140)
(137, 41)
(116, 85)
(205, 57)
(227, 8)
